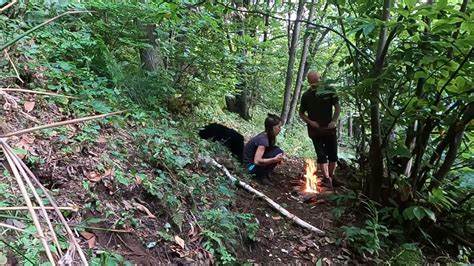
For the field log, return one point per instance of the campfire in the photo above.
(311, 182)
(309, 189)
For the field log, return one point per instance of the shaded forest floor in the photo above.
(119, 215)
(280, 240)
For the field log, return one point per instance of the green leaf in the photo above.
(442, 4)
(420, 74)
(410, 3)
(3, 259)
(65, 66)
(419, 213)
(408, 213)
(367, 29)
(453, 65)
(430, 214)
(460, 81)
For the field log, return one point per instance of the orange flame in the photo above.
(311, 177)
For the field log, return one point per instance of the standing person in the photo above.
(316, 109)
(261, 155)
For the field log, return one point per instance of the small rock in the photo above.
(151, 245)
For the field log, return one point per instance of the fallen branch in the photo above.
(39, 200)
(26, 197)
(38, 92)
(57, 124)
(75, 245)
(275, 205)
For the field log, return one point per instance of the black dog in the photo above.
(229, 137)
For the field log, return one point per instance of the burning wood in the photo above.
(311, 184)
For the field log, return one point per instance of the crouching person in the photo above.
(261, 155)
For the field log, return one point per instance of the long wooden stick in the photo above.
(38, 92)
(57, 124)
(272, 203)
(16, 160)
(58, 212)
(26, 197)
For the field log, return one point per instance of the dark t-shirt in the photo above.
(318, 104)
(251, 147)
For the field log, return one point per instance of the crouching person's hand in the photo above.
(278, 158)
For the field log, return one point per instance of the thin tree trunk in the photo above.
(456, 33)
(266, 22)
(149, 56)
(454, 144)
(239, 103)
(291, 61)
(301, 68)
(354, 58)
(376, 153)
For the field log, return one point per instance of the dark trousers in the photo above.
(326, 148)
(264, 170)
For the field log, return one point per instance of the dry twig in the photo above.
(13, 65)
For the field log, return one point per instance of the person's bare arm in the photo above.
(335, 117)
(259, 160)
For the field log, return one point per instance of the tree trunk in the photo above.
(239, 103)
(291, 61)
(454, 141)
(301, 69)
(307, 66)
(376, 153)
(149, 56)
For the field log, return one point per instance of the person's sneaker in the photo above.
(326, 182)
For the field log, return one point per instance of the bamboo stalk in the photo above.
(21, 208)
(62, 123)
(58, 212)
(272, 203)
(26, 197)
(38, 92)
(35, 194)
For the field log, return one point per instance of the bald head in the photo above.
(313, 78)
